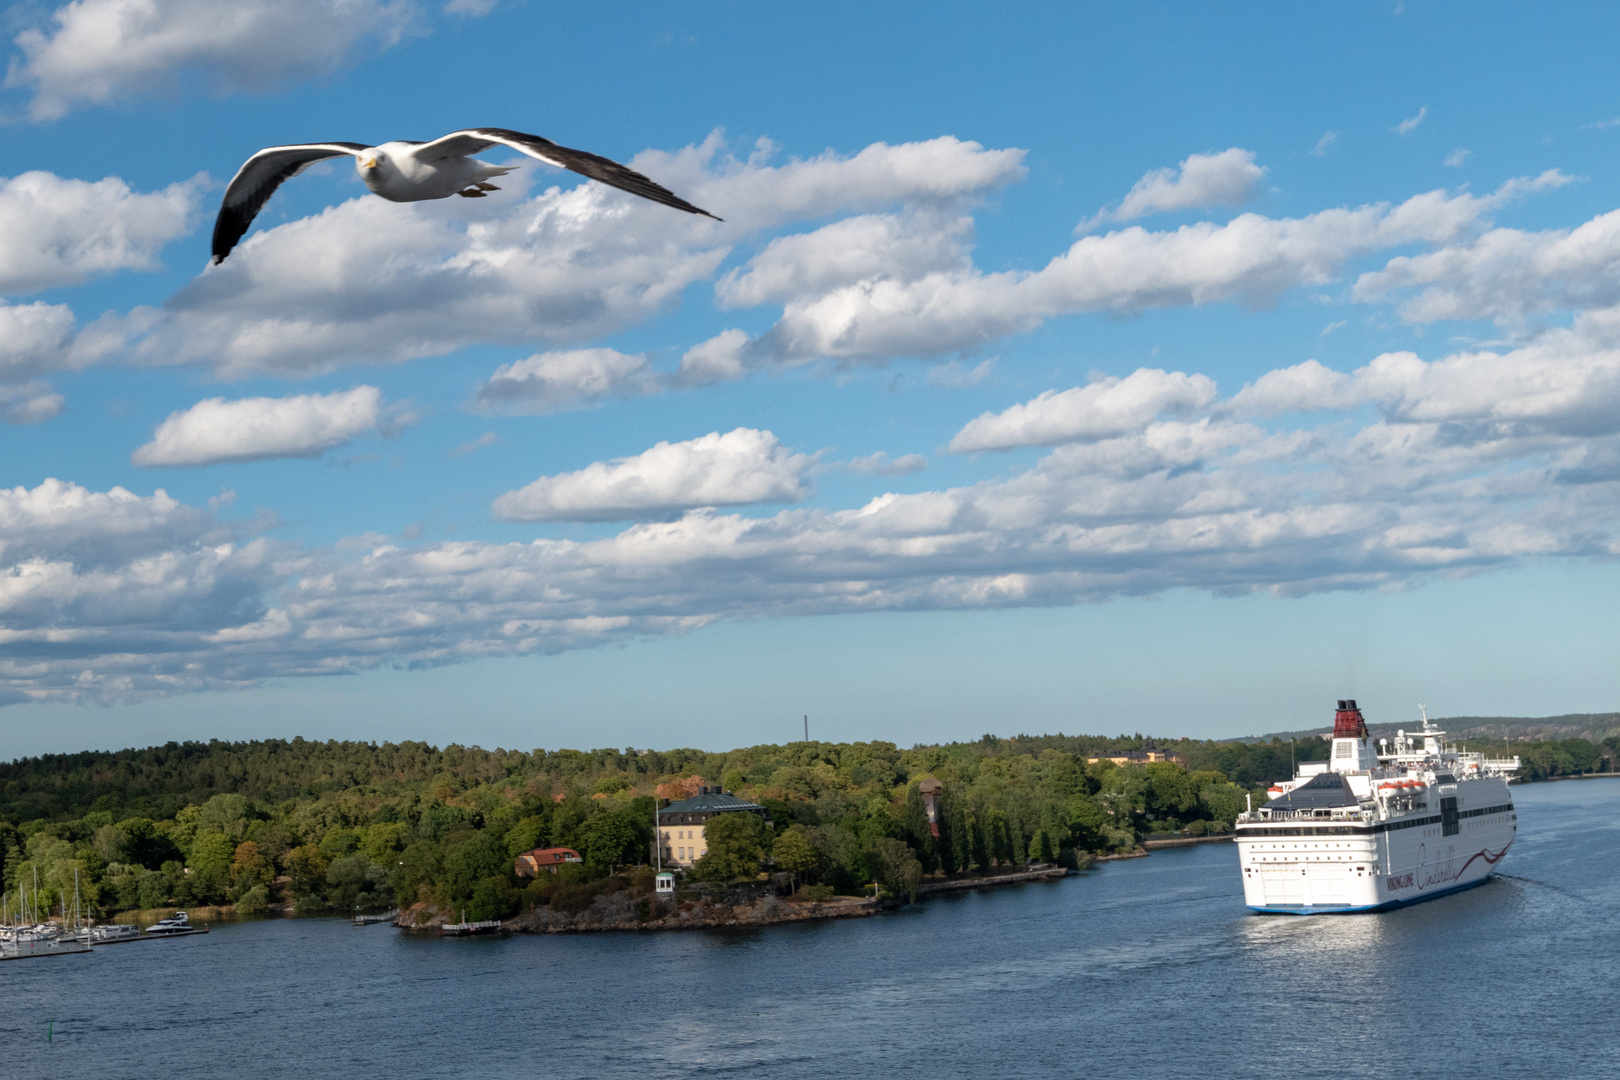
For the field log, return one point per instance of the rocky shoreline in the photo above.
(700, 908)
(626, 910)
(1050, 873)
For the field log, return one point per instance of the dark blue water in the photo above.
(1148, 968)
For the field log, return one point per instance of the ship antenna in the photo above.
(1423, 713)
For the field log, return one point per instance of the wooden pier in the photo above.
(468, 929)
(367, 920)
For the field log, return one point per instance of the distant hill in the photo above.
(1593, 726)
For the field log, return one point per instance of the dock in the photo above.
(468, 929)
(368, 920)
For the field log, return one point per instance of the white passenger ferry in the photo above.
(1365, 830)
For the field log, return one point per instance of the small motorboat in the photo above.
(174, 926)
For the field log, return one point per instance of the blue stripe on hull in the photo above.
(1388, 905)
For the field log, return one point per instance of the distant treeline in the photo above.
(349, 824)
(158, 781)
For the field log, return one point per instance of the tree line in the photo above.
(345, 825)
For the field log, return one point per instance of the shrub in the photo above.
(492, 898)
(253, 901)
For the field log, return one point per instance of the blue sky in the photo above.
(1076, 367)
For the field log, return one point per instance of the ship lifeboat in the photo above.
(1274, 790)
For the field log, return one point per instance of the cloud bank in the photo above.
(1456, 465)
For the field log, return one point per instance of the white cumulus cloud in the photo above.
(29, 403)
(1229, 178)
(95, 52)
(1566, 383)
(1304, 387)
(1108, 407)
(740, 467)
(257, 429)
(854, 249)
(881, 464)
(60, 231)
(571, 379)
(1505, 274)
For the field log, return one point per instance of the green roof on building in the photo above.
(709, 804)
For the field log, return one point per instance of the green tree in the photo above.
(144, 844)
(1085, 820)
(795, 852)
(607, 840)
(1223, 802)
(843, 865)
(354, 881)
(307, 866)
(918, 828)
(999, 836)
(492, 898)
(480, 855)
(526, 835)
(736, 847)
(210, 861)
(225, 813)
(895, 867)
(978, 852)
(153, 889)
(416, 869)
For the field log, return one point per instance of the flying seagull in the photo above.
(414, 171)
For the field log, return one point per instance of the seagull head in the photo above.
(368, 161)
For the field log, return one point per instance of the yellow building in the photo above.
(680, 824)
(1138, 757)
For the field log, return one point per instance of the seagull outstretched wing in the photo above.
(473, 140)
(258, 179)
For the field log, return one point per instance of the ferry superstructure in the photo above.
(1366, 831)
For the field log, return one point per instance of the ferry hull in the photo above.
(1388, 905)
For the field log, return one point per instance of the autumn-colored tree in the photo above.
(249, 868)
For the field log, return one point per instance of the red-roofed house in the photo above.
(531, 863)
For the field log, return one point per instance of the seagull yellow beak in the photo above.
(368, 163)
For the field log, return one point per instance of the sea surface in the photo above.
(1143, 968)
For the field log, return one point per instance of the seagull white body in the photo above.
(392, 171)
(414, 171)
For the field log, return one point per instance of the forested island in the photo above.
(339, 826)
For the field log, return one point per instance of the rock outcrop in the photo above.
(626, 911)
